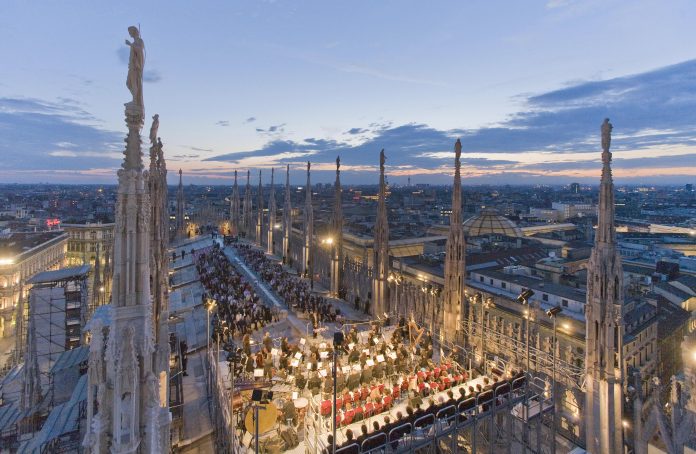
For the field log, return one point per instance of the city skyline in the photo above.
(527, 119)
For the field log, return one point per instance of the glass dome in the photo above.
(489, 221)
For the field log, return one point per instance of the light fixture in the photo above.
(524, 296)
(554, 311)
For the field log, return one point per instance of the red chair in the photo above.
(396, 392)
(387, 402)
(358, 414)
(339, 403)
(326, 408)
(369, 410)
(378, 408)
(347, 398)
(348, 417)
(364, 393)
(381, 387)
(404, 384)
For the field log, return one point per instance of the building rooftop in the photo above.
(70, 358)
(671, 318)
(538, 285)
(63, 274)
(17, 243)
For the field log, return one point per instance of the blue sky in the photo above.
(256, 84)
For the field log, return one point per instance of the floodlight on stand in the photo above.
(554, 311)
(524, 296)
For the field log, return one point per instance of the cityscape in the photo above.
(522, 283)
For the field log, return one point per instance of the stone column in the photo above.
(271, 216)
(381, 247)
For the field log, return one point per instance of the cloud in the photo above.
(152, 76)
(556, 131)
(250, 120)
(552, 138)
(222, 123)
(272, 130)
(354, 131)
(38, 134)
(177, 157)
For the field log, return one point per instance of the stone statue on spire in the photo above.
(338, 163)
(153, 129)
(382, 159)
(606, 135)
(136, 65)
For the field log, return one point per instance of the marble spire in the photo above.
(271, 215)
(129, 411)
(234, 208)
(287, 217)
(159, 272)
(604, 323)
(308, 228)
(381, 247)
(180, 208)
(96, 282)
(31, 392)
(248, 218)
(337, 232)
(455, 271)
(259, 213)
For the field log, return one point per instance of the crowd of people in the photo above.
(294, 291)
(388, 381)
(239, 308)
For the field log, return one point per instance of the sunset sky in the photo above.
(261, 84)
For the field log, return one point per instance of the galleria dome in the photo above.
(489, 221)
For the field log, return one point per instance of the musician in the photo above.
(289, 411)
(314, 382)
(283, 361)
(246, 344)
(267, 341)
(366, 376)
(268, 366)
(285, 345)
(353, 336)
(250, 360)
(340, 380)
(377, 370)
(353, 356)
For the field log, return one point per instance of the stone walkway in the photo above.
(197, 433)
(198, 429)
(299, 323)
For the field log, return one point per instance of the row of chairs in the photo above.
(422, 431)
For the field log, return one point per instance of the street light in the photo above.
(485, 304)
(338, 341)
(209, 307)
(553, 313)
(524, 300)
